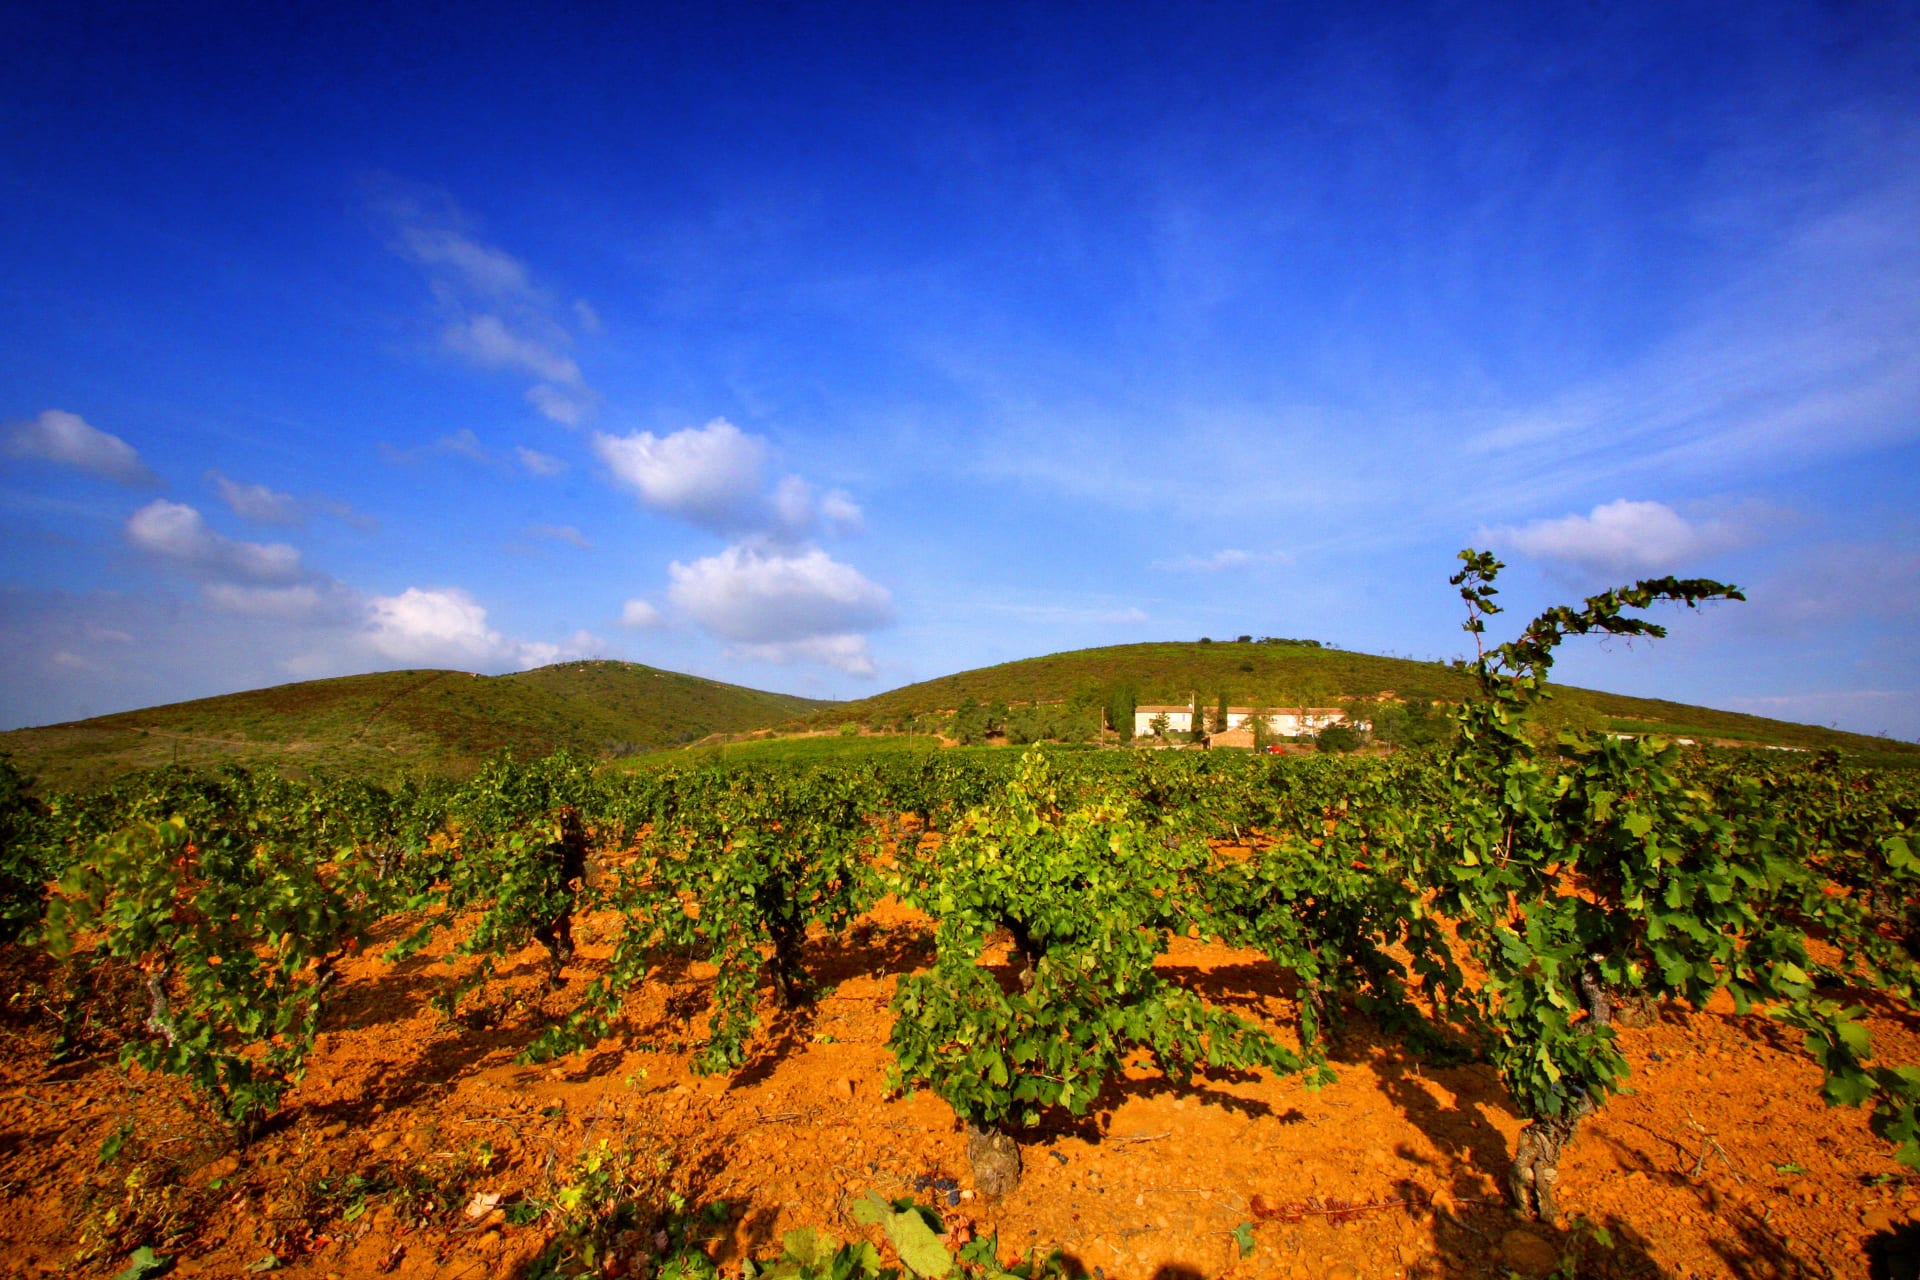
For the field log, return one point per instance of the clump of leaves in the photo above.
(238, 925)
(28, 857)
(421, 1193)
(917, 1236)
(137, 1199)
(1088, 894)
(605, 1207)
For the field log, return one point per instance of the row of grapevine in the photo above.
(1514, 897)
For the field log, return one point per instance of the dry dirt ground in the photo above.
(1722, 1161)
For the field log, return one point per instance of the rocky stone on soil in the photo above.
(995, 1158)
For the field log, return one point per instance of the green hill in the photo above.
(447, 721)
(1290, 674)
(438, 720)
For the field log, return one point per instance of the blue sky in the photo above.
(826, 349)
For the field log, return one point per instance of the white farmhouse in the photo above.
(1298, 723)
(1179, 720)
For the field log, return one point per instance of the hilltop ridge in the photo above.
(442, 720)
(447, 721)
(1279, 674)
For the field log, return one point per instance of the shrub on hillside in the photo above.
(1338, 737)
(26, 863)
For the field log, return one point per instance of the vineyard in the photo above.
(954, 1006)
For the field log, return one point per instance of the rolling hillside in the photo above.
(447, 721)
(1281, 675)
(438, 720)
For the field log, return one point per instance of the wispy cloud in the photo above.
(841, 513)
(540, 464)
(494, 314)
(69, 440)
(489, 342)
(1229, 558)
(848, 653)
(1807, 353)
(261, 504)
(257, 502)
(459, 444)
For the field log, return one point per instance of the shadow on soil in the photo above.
(1895, 1254)
(1461, 1131)
(512, 1010)
(1480, 1238)
(1757, 1251)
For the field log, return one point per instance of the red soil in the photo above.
(1723, 1161)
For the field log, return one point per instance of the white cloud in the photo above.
(1228, 558)
(710, 475)
(68, 439)
(639, 614)
(540, 464)
(792, 505)
(445, 625)
(842, 513)
(715, 477)
(1624, 537)
(540, 653)
(846, 653)
(586, 316)
(783, 606)
(176, 532)
(258, 503)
